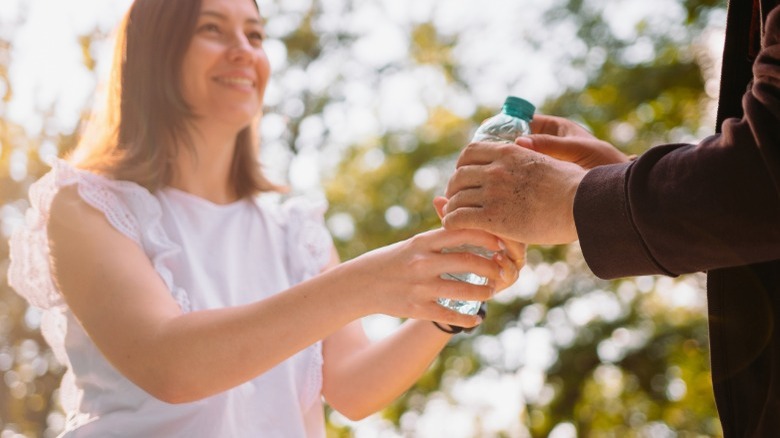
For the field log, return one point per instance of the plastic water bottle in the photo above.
(513, 121)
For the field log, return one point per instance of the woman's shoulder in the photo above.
(57, 210)
(67, 202)
(71, 214)
(68, 199)
(69, 208)
(125, 205)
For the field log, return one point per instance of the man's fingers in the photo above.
(557, 126)
(585, 152)
(482, 153)
(469, 198)
(544, 124)
(560, 148)
(465, 178)
(465, 218)
(476, 154)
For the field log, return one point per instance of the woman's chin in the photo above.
(237, 119)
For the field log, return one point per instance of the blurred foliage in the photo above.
(623, 358)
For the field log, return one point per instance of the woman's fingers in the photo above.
(443, 315)
(448, 287)
(509, 271)
(516, 252)
(419, 267)
(472, 259)
(439, 202)
(439, 239)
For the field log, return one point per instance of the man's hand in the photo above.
(514, 193)
(526, 194)
(565, 140)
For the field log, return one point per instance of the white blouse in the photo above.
(209, 256)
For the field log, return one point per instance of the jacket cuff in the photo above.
(610, 241)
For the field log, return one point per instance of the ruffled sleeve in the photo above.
(28, 273)
(309, 247)
(128, 207)
(309, 243)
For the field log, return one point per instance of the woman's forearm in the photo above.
(377, 374)
(223, 348)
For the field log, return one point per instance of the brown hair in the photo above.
(137, 135)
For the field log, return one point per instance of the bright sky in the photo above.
(46, 64)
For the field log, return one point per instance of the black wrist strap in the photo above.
(455, 329)
(446, 328)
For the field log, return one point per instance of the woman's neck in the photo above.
(203, 168)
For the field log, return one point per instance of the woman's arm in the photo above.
(125, 307)
(360, 377)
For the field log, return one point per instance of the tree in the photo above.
(622, 358)
(561, 351)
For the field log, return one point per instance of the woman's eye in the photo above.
(209, 27)
(256, 36)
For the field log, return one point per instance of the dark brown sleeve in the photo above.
(687, 208)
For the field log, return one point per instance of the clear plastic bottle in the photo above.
(513, 121)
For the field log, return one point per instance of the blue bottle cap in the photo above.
(517, 107)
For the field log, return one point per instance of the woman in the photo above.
(180, 304)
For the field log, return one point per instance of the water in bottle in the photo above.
(513, 121)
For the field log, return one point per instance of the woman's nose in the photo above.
(241, 50)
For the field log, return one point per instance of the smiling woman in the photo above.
(160, 106)
(181, 304)
(227, 69)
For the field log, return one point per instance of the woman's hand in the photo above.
(404, 279)
(511, 258)
(361, 377)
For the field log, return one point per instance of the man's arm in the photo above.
(677, 209)
(688, 208)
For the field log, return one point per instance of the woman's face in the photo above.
(225, 69)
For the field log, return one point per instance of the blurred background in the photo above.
(369, 104)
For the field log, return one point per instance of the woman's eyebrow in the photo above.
(223, 17)
(214, 14)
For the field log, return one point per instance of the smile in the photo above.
(244, 82)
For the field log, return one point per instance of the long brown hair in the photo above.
(137, 135)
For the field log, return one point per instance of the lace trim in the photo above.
(309, 248)
(308, 241)
(127, 206)
(28, 272)
(313, 386)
